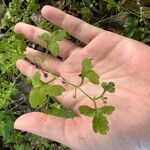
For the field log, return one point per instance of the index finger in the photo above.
(76, 27)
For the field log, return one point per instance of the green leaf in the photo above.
(54, 48)
(92, 76)
(59, 35)
(44, 24)
(54, 90)
(86, 13)
(106, 110)
(131, 22)
(23, 147)
(36, 81)
(41, 90)
(51, 41)
(111, 4)
(37, 97)
(86, 110)
(88, 73)
(103, 129)
(32, 7)
(100, 124)
(46, 38)
(86, 65)
(109, 87)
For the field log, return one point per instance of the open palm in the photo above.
(115, 58)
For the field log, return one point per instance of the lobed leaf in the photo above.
(59, 35)
(106, 110)
(86, 65)
(51, 41)
(100, 124)
(37, 97)
(88, 72)
(41, 90)
(36, 81)
(109, 87)
(54, 90)
(46, 38)
(92, 76)
(32, 7)
(86, 13)
(86, 110)
(54, 48)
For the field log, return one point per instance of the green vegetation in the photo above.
(41, 91)
(51, 41)
(120, 16)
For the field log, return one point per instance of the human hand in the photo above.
(115, 58)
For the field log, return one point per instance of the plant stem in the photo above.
(68, 81)
(95, 105)
(77, 87)
(103, 19)
(130, 11)
(16, 79)
(85, 93)
(54, 78)
(24, 100)
(82, 80)
(100, 95)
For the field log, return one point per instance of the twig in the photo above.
(16, 105)
(4, 3)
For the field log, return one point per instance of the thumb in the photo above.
(51, 127)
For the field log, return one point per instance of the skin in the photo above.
(115, 58)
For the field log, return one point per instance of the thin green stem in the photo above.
(78, 87)
(68, 81)
(85, 93)
(130, 11)
(95, 105)
(103, 19)
(82, 80)
(100, 95)
(54, 78)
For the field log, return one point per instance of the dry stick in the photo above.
(16, 105)
(4, 3)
